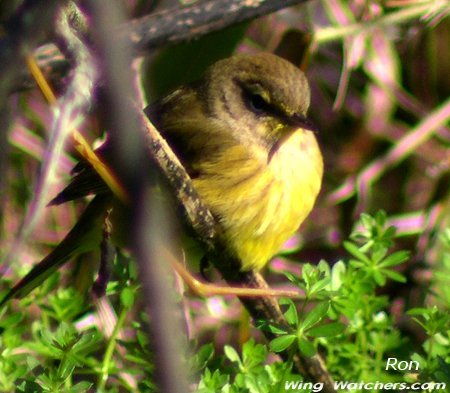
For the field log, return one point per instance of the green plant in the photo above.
(343, 316)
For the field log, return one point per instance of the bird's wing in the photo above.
(85, 180)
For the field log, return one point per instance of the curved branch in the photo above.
(173, 26)
(168, 27)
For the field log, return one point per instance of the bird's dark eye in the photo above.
(256, 103)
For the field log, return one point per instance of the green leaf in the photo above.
(395, 259)
(306, 347)
(291, 312)
(253, 354)
(11, 320)
(81, 387)
(267, 327)
(393, 275)
(379, 278)
(307, 275)
(27, 386)
(280, 343)
(337, 273)
(378, 254)
(297, 281)
(329, 330)
(127, 297)
(366, 220)
(380, 218)
(418, 311)
(231, 354)
(355, 251)
(320, 285)
(315, 315)
(203, 356)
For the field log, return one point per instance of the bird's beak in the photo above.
(301, 121)
(296, 120)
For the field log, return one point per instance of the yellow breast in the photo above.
(261, 204)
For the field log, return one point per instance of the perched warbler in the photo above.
(243, 136)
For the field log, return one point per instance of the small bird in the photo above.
(242, 134)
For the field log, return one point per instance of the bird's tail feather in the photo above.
(79, 239)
